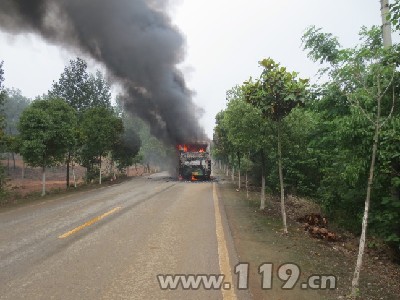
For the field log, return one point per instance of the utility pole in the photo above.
(386, 27)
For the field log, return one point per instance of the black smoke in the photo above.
(137, 43)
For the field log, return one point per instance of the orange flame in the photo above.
(183, 148)
(191, 148)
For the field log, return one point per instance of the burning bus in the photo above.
(194, 161)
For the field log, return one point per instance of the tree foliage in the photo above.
(394, 16)
(46, 130)
(83, 91)
(42, 126)
(2, 98)
(15, 103)
(366, 77)
(333, 134)
(2, 124)
(277, 91)
(243, 123)
(222, 146)
(152, 150)
(126, 148)
(80, 89)
(347, 105)
(100, 90)
(276, 94)
(100, 130)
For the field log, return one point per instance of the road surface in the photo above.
(113, 242)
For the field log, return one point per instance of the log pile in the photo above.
(317, 225)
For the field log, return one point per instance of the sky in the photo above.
(225, 39)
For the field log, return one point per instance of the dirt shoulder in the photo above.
(24, 183)
(258, 239)
(22, 180)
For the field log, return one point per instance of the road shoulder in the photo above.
(258, 239)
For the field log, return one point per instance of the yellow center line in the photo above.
(223, 255)
(88, 223)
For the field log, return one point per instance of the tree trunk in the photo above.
(13, 157)
(247, 187)
(73, 174)
(356, 276)
(239, 183)
(283, 211)
(68, 162)
(113, 170)
(23, 169)
(43, 181)
(386, 26)
(8, 163)
(100, 172)
(227, 171)
(239, 180)
(233, 174)
(262, 200)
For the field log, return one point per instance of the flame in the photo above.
(191, 148)
(183, 148)
(194, 178)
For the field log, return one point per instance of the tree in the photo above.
(152, 150)
(1, 76)
(82, 91)
(2, 99)
(223, 148)
(386, 24)
(250, 87)
(276, 93)
(100, 130)
(365, 75)
(73, 85)
(2, 120)
(46, 130)
(126, 148)
(100, 91)
(244, 127)
(155, 152)
(15, 103)
(394, 16)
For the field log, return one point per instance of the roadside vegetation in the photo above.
(336, 141)
(76, 124)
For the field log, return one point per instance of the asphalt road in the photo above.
(111, 243)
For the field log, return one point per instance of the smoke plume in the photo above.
(137, 43)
